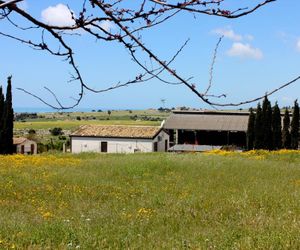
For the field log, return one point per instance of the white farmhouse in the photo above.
(119, 139)
(24, 146)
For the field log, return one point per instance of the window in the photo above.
(104, 146)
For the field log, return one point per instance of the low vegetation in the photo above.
(72, 120)
(219, 200)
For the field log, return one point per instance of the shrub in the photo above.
(31, 131)
(56, 131)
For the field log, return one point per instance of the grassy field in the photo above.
(73, 124)
(70, 121)
(151, 201)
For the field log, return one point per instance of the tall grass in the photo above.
(150, 201)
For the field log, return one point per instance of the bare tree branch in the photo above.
(130, 22)
(8, 3)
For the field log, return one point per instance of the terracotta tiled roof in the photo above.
(118, 131)
(19, 140)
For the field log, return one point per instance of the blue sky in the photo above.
(259, 52)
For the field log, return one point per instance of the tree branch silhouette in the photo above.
(129, 22)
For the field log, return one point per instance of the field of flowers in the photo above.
(216, 200)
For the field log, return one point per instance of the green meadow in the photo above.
(150, 201)
(73, 124)
(72, 120)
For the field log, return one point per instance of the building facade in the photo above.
(24, 146)
(119, 139)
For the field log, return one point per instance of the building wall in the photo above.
(118, 145)
(160, 139)
(27, 147)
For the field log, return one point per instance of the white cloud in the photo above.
(298, 45)
(245, 51)
(58, 15)
(107, 25)
(228, 33)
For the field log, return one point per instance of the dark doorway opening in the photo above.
(104, 146)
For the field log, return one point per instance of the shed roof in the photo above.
(214, 121)
(19, 140)
(117, 131)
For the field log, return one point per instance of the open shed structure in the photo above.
(119, 139)
(215, 128)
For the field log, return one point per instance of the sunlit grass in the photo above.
(73, 124)
(151, 201)
(69, 121)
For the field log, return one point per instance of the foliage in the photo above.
(67, 121)
(258, 129)
(151, 201)
(2, 142)
(267, 124)
(286, 136)
(6, 121)
(276, 127)
(250, 130)
(295, 127)
(267, 128)
(25, 116)
(56, 131)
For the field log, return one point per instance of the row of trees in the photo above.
(6, 120)
(265, 130)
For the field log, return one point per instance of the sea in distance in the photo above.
(50, 110)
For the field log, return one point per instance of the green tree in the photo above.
(1, 120)
(276, 127)
(267, 124)
(56, 131)
(295, 127)
(250, 130)
(8, 121)
(258, 129)
(286, 136)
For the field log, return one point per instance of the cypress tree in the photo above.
(1, 120)
(258, 129)
(8, 121)
(276, 127)
(267, 124)
(1, 102)
(286, 136)
(250, 130)
(295, 127)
